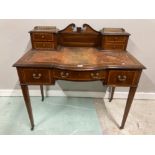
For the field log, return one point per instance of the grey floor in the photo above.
(68, 116)
(54, 116)
(140, 121)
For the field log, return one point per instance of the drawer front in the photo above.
(43, 45)
(36, 76)
(115, 38)
(114, 46)
(121, 77)
(42, 36)
(79, 75)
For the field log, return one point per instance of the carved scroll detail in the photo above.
(69, 28)
(73, 36)
(84, 29)
(87, 28)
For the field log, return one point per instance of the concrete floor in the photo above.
(141, 118)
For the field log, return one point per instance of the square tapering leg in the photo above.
(128, 105)
(26, 96)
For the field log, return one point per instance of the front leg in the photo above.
(128, 105)
(26, 96)
(111, 94)
(42, 92)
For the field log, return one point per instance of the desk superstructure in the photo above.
(79, 54)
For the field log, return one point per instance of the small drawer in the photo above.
(115, 38)
(79, 75)
(43, 45)
(114, 46)
(36, 76)
(42, 36)
(121, 77)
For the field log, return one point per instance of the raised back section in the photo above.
(73, 36)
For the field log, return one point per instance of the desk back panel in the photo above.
(79, 40)
(73, 36)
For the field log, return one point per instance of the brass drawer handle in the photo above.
(42, 37)
(35, 76)
(95, 75)
(122, 77)
(115, 38)
(64, 75)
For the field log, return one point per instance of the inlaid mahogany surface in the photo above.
(79, 54)
(79, 58)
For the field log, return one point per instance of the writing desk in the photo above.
(114, 67)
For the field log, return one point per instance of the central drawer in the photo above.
(79, 75)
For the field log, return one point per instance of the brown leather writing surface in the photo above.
(79, 58)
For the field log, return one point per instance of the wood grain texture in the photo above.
(44, 38)
(79, 59)
(73, 36)
(79, 54)
(80, 75)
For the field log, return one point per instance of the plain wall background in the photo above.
(15, 40)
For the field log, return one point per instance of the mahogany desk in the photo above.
(114, 67)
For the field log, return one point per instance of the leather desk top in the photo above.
(79, 58)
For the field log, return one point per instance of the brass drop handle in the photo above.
(64, 75)
(115, 38)
(42, 36)
(35, 76)
(95, 75)
(122, 77)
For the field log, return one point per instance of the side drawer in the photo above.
(122, 78)
(43, 45)
(115, 38)
(114, 46)
(36, 76)
(79, 75)
(38, 36)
